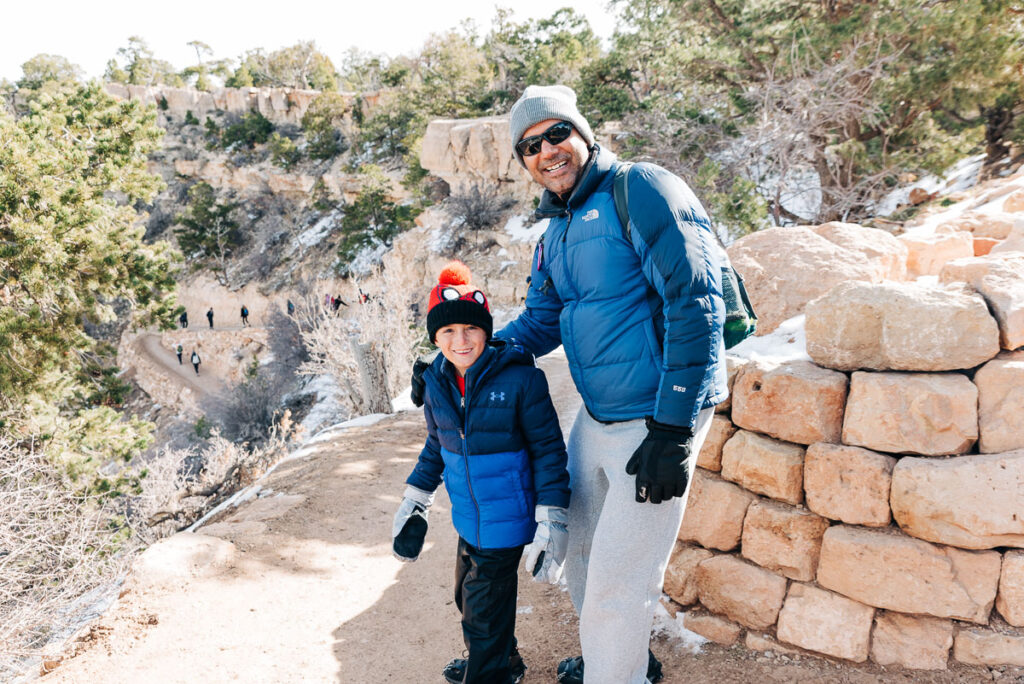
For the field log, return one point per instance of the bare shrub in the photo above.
(55, 546)
(368, 346)
(480, 206)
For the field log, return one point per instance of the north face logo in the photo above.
(497, 396)
(590, 215)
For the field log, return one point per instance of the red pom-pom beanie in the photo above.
(455, 300)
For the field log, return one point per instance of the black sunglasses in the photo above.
(555, 134)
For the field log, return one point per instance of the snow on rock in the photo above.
(672, 628)
(522, 230)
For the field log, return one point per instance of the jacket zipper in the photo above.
(465, 451)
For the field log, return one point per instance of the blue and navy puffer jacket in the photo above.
(640, 317)
(499, 449)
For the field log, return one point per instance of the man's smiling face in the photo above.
(556, 167)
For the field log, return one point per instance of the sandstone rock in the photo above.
(927, 252)
(762, 642)
(974, 502)
(995, 226)
(465, 152)
(900, 326)
(764, 465)
(919, 196)
(825, 622)
(887, 569)
(876, 245)
(784, 268)
(1015, 202)
(679, 575)
(1001, 403)
(983, 246)
(741, 591)
(1014, 243)
(733, 364)
(712, 627)
(783, 539)
(290, 183)
(985, 647)
(1010, 600)
(187, 167)
(711, 453)
(795, 401)
(174, 560)
(921, 413)
(997, 278)
(848, 483)
(714, 512)
(910, 641)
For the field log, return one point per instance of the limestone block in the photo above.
(711, 452)
(887, 569)
(927, 252)
(900, 326)
(997, 226)
(187, 167)
(911, 641)
(795, 401)
(679, 575)
(714, 512)
(828, 623)
(733, 364)
(1014, 202)
(848, 483)
(712, 627)
(877, 245)
(741, 591)
(290, 183)
(783, 539)
(974, 502)
(998, 278)
(764, 465)
(763, 642)
(984, 647)
(1010, 600)
(1012, 244)
(983, 246)
(784, 268)
(934, 414)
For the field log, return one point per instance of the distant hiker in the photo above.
(209, 316)
(183, 319)
(195, 361)
(327, 300)
(245, 315)
(291, 308)
(178, 350)
(519, 478)
(337, 301)
(363, 297)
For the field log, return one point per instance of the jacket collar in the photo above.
(598, 164)
(497, 354)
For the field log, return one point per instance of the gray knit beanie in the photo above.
(540, 103)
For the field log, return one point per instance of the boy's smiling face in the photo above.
(461, 344)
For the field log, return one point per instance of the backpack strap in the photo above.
(620, 193)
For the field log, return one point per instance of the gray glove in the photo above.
(546, 554)
(410, 526)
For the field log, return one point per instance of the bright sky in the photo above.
(89, 32)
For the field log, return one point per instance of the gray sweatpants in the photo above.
(618, 548)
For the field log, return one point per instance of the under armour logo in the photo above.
(590, 215)
(497, 396)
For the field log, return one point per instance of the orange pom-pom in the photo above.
(454, 273)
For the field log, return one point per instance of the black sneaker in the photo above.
(570, 670)
(455, 670)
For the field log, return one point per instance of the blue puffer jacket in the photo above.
(500, 450)
(641, 323)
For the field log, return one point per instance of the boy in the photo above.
(494, 437)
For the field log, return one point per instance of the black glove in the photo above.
(660, 463)
(419, 385)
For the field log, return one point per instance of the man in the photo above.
(639, 313)
(209, 317)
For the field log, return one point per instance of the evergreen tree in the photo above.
(209, 231)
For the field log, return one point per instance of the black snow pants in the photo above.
(486, 584)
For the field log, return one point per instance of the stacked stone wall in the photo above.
(868, 503)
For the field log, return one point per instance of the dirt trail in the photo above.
(308, 591)
(203, 384)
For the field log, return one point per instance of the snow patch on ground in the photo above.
(523, 230)
(672, 628)
(788, 342)
(326, 408)
(319, 230)
(403, 402)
